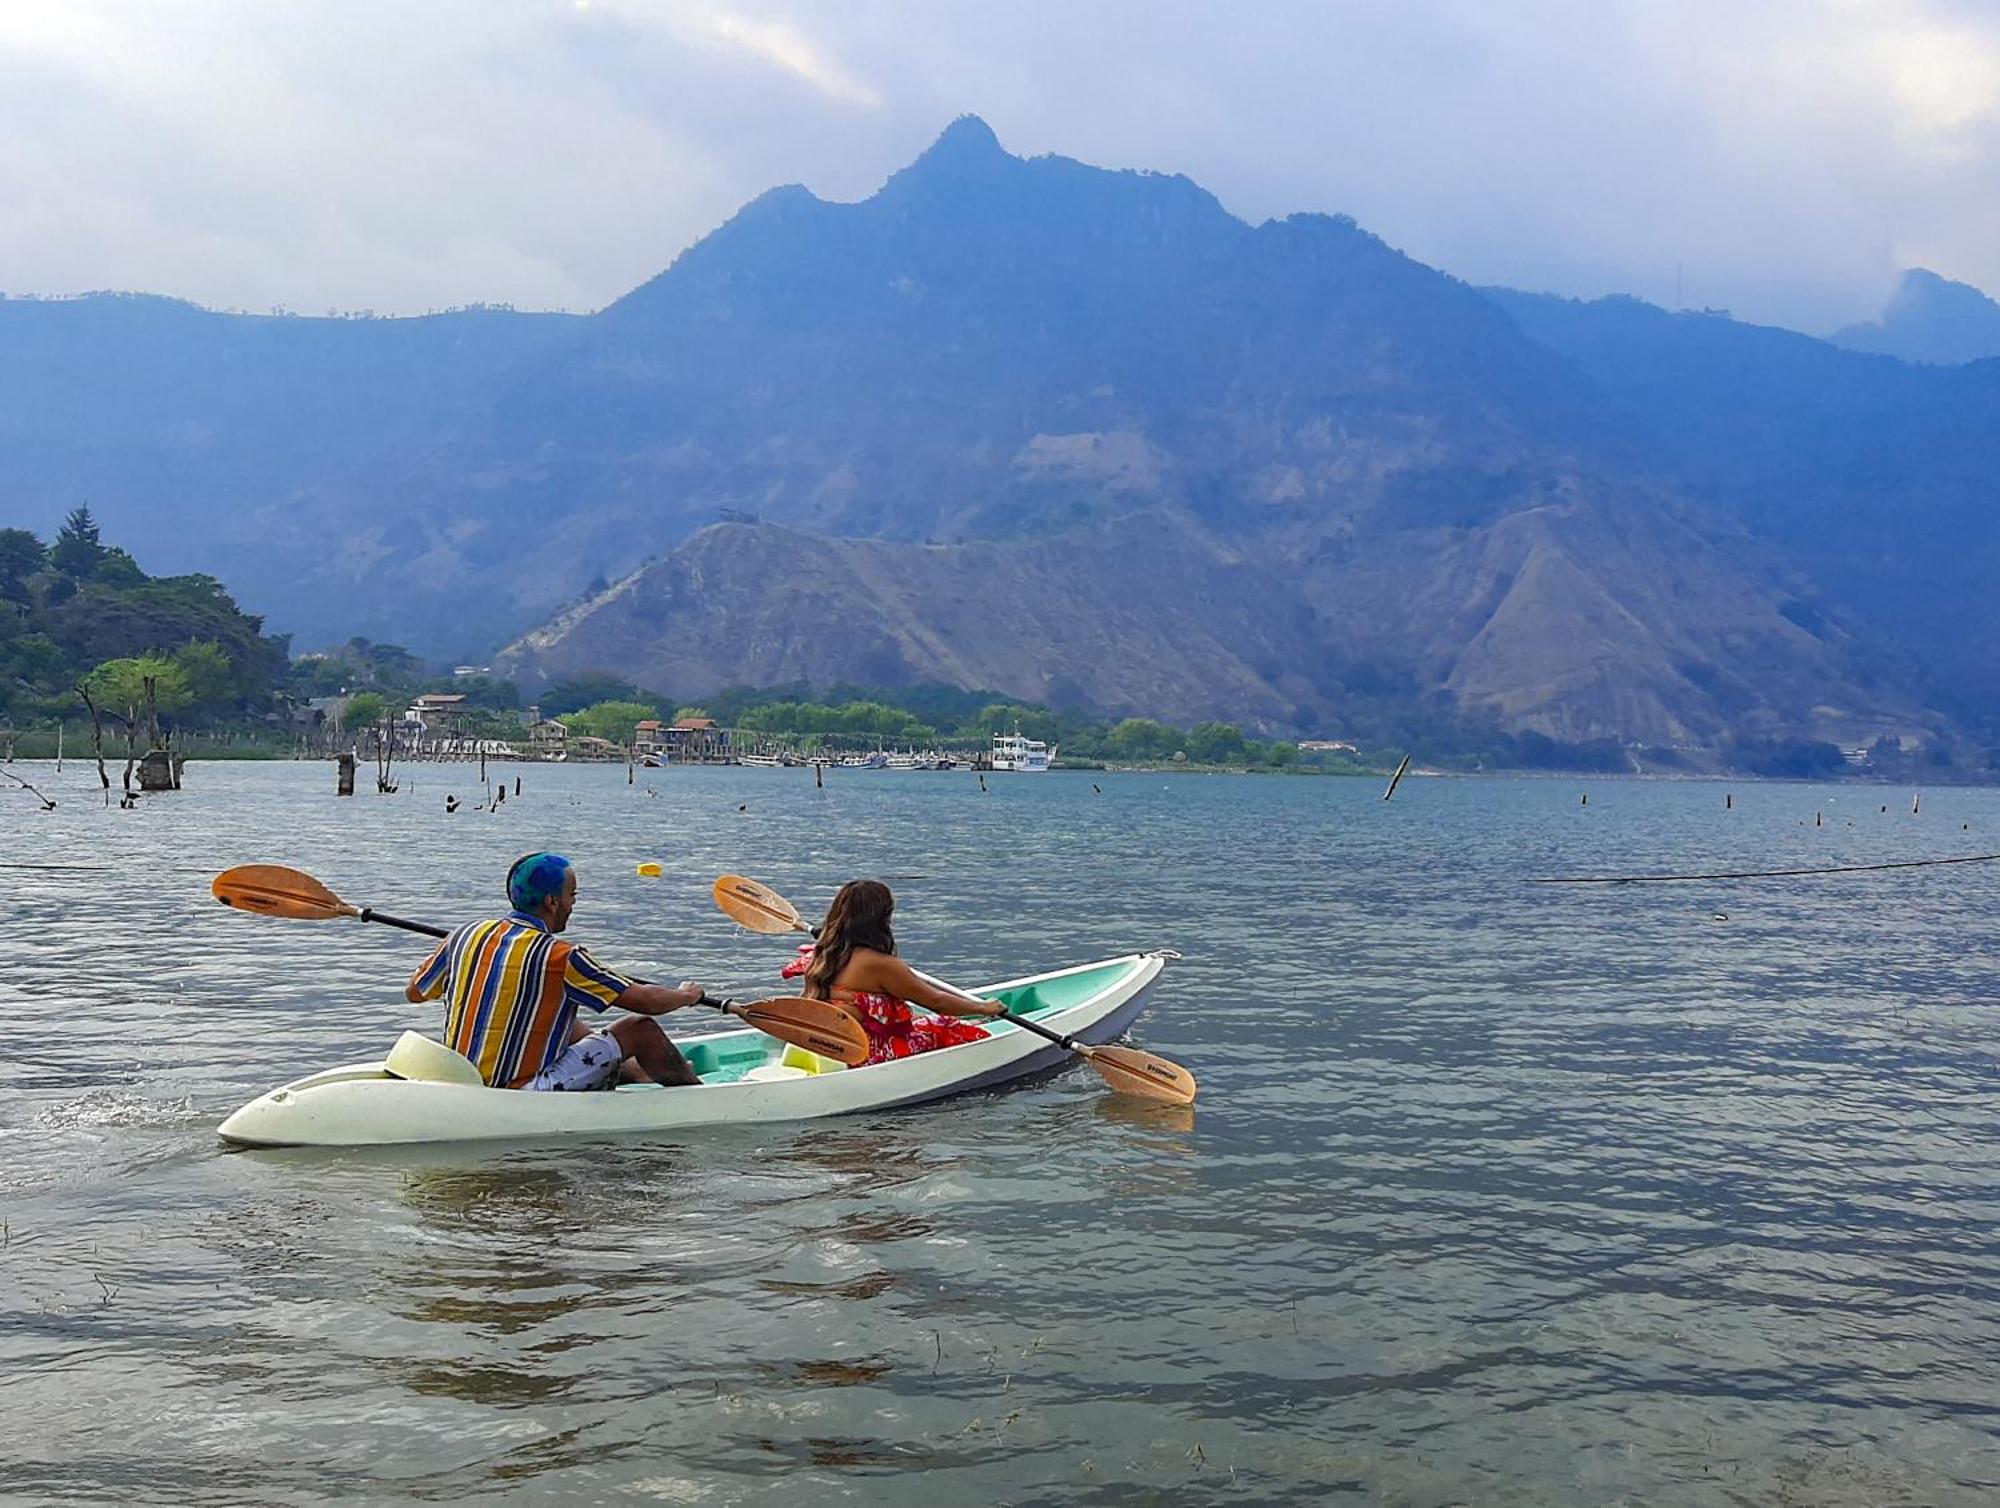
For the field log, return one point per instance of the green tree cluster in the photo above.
(364, 709)
(861, 719)
(612, 720)
(79, 608)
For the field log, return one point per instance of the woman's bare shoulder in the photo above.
(868, 969)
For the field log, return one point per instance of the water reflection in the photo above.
(831, 1373)
(502, 1386)
(1149, 1115)
(878, 1154)
(524, 1199)
(868, 1286)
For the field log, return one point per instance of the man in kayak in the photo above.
(513, 988)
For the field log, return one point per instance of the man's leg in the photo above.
(647, 1046)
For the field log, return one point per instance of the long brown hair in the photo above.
(858, 918)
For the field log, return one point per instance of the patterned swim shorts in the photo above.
(589, 1064)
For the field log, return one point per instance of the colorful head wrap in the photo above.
(534, 878)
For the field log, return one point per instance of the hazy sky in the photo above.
(1787, 156)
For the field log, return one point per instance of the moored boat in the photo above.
(1013, 752)
(423, 1092)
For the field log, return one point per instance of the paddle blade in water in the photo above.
(275, 890)
(758, 907)
(1129, 1071)
(814, 1025)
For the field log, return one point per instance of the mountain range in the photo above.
(1080, 436)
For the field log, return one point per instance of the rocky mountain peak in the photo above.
(1930, 319)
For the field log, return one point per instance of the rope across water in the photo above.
(1755, 874)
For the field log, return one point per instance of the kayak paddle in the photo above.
(1126, 1069)
(759, 907)
(274, 890)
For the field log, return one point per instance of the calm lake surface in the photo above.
(1496, 1192)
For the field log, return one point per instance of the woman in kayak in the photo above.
(855, 966)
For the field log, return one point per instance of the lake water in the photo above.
(1496, 1192)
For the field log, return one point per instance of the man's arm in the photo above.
(658, 999)
(591, 984)
(429, 980)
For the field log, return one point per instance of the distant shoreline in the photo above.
(1858, 783)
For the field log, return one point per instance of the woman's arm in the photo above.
(892, 976)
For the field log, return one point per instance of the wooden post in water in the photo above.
(1728, 800)
(1586, 799)
(59, 733)
(1916, 803)
(1397, 778)
(1819, 819)
(343, 780)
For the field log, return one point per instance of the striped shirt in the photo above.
(512, 990)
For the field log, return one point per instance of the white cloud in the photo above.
(780, 43)
(1784, 157)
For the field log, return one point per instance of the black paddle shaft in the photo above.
(1042, 1031)
(369, 914)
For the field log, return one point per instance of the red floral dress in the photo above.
(894, 1030)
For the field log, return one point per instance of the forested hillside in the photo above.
(78, 612)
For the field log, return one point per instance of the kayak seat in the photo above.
(429, 1061)
(805, 1058)
(772, 1073)
(1023, 1000)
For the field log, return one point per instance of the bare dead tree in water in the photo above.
(385, 756)
(130, 717)
(96, 739)
(47, 805)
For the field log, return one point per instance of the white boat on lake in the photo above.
(424, 1092)
(1013, 752)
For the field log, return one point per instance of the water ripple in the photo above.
(1495, 1193)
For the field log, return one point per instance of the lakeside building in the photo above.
(697, 740)
(548, 738)
(438, 714)
(649, 739)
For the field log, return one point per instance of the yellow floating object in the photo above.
(651, 871)
(805, 1058)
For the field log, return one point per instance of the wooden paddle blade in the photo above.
(816, 1025)
(1130, 1071)
(758, 907)
(275, 890)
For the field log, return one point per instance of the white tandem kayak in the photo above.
(745, 1076)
